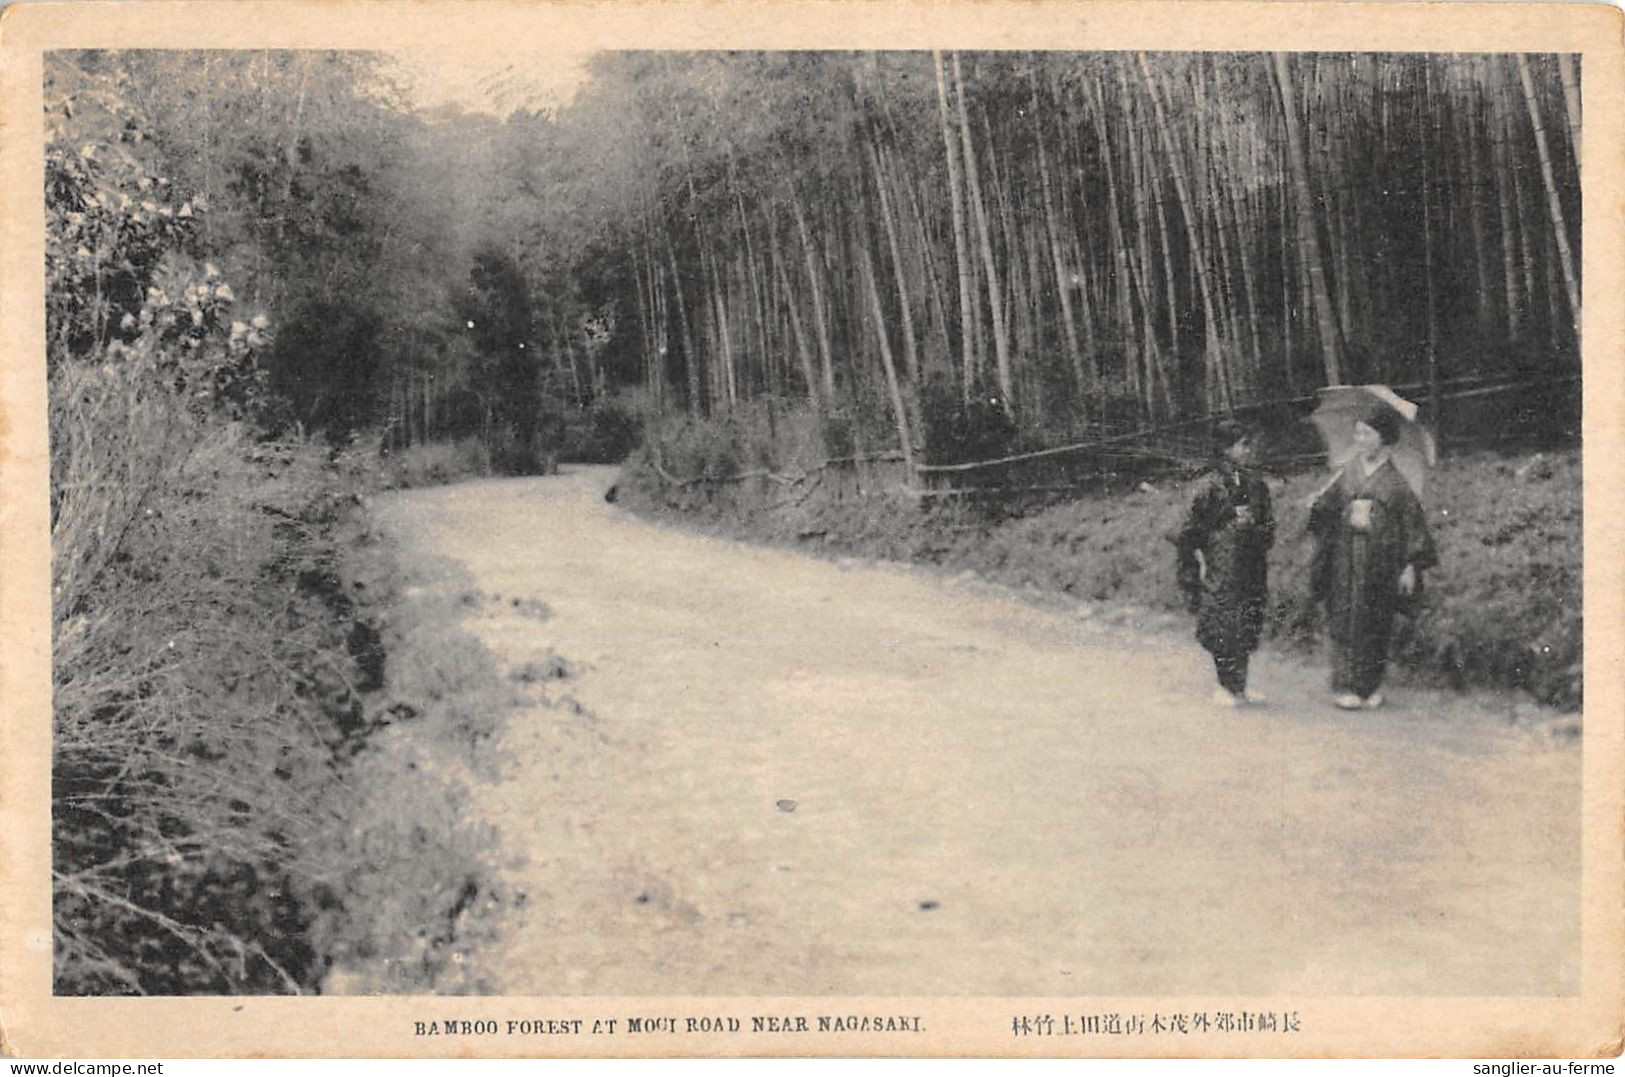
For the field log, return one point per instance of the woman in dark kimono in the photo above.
(1223, 560)
(1371, 545)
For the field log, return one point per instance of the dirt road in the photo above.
(794, 777)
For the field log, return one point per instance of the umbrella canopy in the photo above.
(1341, 406)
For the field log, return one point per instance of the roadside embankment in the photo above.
(263, 732)
(1503, 610)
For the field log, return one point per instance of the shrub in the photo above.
(761, 435)
(614, 433)
(434, 464)
(958, 430)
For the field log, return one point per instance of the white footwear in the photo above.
(1372, 701)
(1349, 701)
(1222, 698)
(1256, 697)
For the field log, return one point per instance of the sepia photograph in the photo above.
(893, 548)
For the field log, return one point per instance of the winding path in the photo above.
(787, 776)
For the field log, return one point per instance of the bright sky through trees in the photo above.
(490, 81)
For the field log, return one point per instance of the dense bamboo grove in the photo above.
(1080, 242)
(1096, 239)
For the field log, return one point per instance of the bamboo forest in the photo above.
(1098, 241)
(1093, 242)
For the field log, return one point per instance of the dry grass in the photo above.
(226, 818)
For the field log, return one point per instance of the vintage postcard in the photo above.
(811, 529)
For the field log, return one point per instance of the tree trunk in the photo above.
(1509, 279)
(1560, 231)
(1235, 202)
(1143, 188)
(969, 345)
(1571, 100)
(1013, 296)
(1308, 240)
(1138, 252)
(926, 256)
(893, 388)
(911, 355)
(1526, 256)
(1427, 247)
(1475, 217)
(1077, 246)
(758, 313)
(1063, 282)
(691, 358)
(662, 342)
(1140, 255)
(1288, 267)
(814, 279)
(803, 351)
(1211, 326)
(1119, 248)
(728, 389)
(645, 326)
(1001, 343)
(1225, 283)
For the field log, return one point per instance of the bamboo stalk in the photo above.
(1554, 205)
(911, 359)
(691, 357)
(899, 412)
(803, 349)
(1123, 277)
(969, 342)
(1475, 216)
(1571, 100)
(1001, 342)
(820, 323)
(1063, 283)
(1308, 241)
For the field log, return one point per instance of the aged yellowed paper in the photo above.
(1259, 978)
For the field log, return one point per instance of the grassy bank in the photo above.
(1502, 610)
(231, 654)
(232, 657)
(419, 883)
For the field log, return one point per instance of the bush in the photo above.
(762, 435)
(614, 433)
(434, 464)
(958, 430)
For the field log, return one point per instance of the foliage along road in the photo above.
(782, 775)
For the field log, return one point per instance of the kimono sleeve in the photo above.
(1326, 511)
(1419, 549)
(1195, 534)
(1325, 518)
(1265, 512)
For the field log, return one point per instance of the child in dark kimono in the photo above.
(1372, 543)
(1223, 560)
